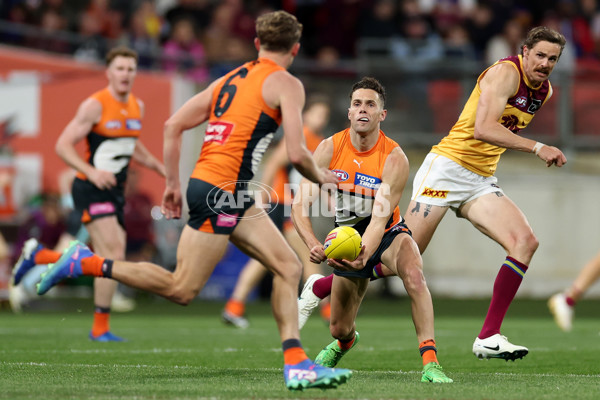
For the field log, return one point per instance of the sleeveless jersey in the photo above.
(240, 126)
(481, 157)
(111, 142)
(359, 175)
(282, 176)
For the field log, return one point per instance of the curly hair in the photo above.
(278, 31)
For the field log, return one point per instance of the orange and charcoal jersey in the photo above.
(359, 175)
(111, 142)
(480, 157)
(282, 176)
(240, 126)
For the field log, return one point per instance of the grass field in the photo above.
(187, 353)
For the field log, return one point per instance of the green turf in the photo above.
(187, 353)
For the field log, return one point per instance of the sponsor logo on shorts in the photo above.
(218, 132)
(341, 174)
(370, 182)
(227, 220)
(102, 208)
(133, 124)
(436, 194)
(114, 124)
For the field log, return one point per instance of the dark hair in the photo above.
(368, 82)
(120, 51)
(278, 31)
(544, 34)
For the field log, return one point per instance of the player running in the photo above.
(243, 110)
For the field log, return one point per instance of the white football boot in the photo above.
(562, 312)
(497, 346)
(307, 301)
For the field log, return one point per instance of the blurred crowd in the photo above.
(203, 38)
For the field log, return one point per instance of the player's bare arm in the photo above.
(88, 114)
(393, 180)
(193, 113)
(497, 86)
(303, 200)
(285, 91)
(142, 155)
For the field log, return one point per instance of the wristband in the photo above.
(538, 146)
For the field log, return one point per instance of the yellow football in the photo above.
(343, 243)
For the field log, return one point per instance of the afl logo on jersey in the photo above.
(114, 124)
(342, 175)
(521, 101)
(133, 124)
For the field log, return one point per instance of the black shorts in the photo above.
(386, 241)
(94, 203)
(214, 210)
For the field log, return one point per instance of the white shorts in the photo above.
(442, 182)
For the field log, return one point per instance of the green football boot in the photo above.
(432, 372)
(332, 354)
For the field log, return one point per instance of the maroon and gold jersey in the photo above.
(481, 157)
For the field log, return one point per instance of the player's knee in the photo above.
(289, 270)
(525, 244)
(413, 279)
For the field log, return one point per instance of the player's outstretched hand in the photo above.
(345, 265)
(171, 204)
(552, 155)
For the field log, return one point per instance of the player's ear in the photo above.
(295, 49)
(257, 44)
(383, 115)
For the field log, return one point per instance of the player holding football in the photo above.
(243, 110)
(110, 121)
(458, 173)
(372, 170)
